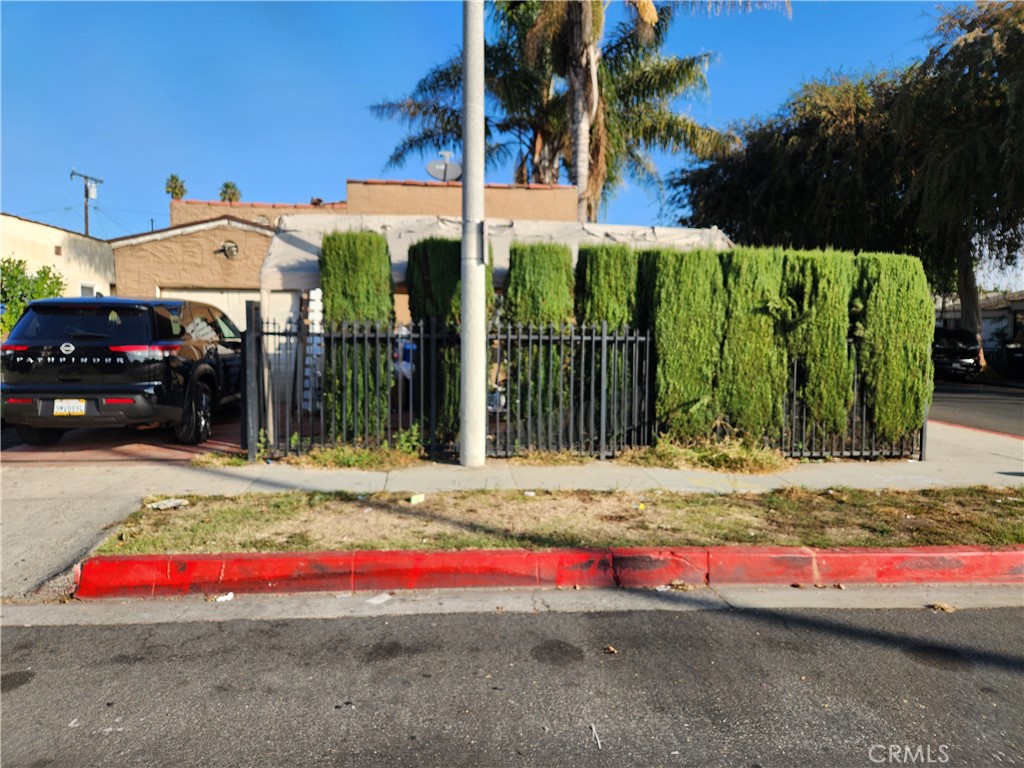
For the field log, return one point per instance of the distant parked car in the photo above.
(118, 362)
(956, 353)
(1014, 355)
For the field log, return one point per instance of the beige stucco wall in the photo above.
(190, 261)
(191, 211)
(535, 202)
(82, 260)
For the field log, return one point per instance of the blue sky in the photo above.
(276, 96)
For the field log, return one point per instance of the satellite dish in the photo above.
(444, 169)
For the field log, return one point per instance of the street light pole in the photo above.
(473, 408)
(89, 192)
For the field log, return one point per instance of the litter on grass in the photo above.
(168, 504)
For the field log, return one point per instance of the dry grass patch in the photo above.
(502, 519)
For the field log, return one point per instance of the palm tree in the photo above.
(175, 187)
(526, 117)
(529, 105)
(229, 192)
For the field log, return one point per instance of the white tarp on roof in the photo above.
(292, 263)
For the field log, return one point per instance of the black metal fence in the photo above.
(581, 389)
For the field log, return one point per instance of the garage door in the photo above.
(232, 303)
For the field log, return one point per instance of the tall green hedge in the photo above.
(539, 288)
(689, 304)
(752, 371)
(646, 278)
(434, 280)
(355, 274)
(817, 290)
(538, 292)
(895, 325)
(606, 286)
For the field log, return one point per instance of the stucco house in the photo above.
(1002, 317)
(217, 261)
(85, 263)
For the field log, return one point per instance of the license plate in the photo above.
(69, 407)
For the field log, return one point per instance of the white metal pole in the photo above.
(473, 407)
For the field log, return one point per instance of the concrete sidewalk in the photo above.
(54, 513)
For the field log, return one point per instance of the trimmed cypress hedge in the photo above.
(434, 279)
(752, 371)
(539, 293)
(539, 288)
(355, 273)
(689, 304)
(817, 290)
(895, 326)
(606, 286)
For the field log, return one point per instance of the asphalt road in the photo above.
(752, 688)
(982, 406)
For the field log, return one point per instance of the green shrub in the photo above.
(539, 289)
(18, 288)
(688, 322)
(434, 279)
(355, 273)
(895, 325)
(752, 372)
(539, 292)
(646, 274)
(606, 286)
(817, 289)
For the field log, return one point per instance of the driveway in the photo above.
(89, 445)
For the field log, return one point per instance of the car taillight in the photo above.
(14, 347)
(19, 401)
(148, 351)
(118, 401)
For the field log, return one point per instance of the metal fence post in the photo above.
(251, 368)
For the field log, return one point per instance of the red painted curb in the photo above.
(160, 575)
(859, 565)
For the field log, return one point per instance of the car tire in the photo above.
(196, 423)
(38, 435)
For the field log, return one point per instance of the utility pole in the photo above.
(473, 407)
(89, 193)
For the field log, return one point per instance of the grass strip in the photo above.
(311, 521)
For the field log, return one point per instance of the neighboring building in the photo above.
(1002, 317)
(216, 261)
(522, 202)
(267, 214)
(85, 263)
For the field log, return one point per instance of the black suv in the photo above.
(118, 362)
(956, 353)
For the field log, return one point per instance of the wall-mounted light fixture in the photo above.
(229, 249)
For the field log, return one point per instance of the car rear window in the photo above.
(105, 324)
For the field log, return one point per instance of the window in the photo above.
(88, 290)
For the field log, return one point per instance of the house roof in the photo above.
(414, 183)
(989, 302)
(50, 226)
(188, 229)
(339, 205)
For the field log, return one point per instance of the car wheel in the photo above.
(196, 423)
(38, 435)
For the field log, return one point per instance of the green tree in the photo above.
(531, 117)
(926, 162)
(962, 111)
(18, 288)
(175, 187)
(829, 169)
(230, 193)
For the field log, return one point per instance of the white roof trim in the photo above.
(188, 229)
